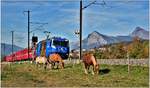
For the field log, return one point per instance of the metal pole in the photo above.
(28, 32)
(4, 49)
(80, 29)
(12, 45)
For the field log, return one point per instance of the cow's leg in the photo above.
(88, 68)
(62, 65)
(93, 70)
(37, 64)
(74, 61)
(40, 65)
(58, 63)
(85, 68)
(53, 64)
(45, 65)
(49, 64)
(69, 58)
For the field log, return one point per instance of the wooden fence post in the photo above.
(128, 63)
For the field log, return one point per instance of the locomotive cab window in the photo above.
(61, 43)
(64, 43)
(56, 43)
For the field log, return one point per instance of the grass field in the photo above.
(28, 75)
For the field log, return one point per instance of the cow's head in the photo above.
(96, 69)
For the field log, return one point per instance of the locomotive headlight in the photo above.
(62, 49)
(54, 47)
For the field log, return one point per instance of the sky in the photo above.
(117, 17)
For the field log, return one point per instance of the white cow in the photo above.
(41, 60)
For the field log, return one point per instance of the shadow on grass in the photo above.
(104, 71)
(65, 67)
(68, 66)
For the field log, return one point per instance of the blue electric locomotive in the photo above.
(53, 45)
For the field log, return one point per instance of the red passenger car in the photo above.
(19, 55)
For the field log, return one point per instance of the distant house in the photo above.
(92, 50)
(78, 50)
(83, 49)
(102, 48)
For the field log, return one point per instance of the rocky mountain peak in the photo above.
(140, 32)
(95, 34)
(137, 29)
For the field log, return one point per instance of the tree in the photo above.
(146, 49)
(136, 48)
(99, 54)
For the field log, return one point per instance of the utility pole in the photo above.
(32, 30)
(80, 29)
(12, 45)
(28, 31)
(4, 49)
(82, 8)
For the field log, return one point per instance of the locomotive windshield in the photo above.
(60, 43)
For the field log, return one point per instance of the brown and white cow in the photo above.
(56, 58)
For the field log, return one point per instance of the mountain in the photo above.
(95, 39)
(6, 49)
(141, 33)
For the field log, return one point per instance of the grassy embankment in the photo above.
(29, 75)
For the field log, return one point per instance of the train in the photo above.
(19, 55)
(43, 48)
(54, 45)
